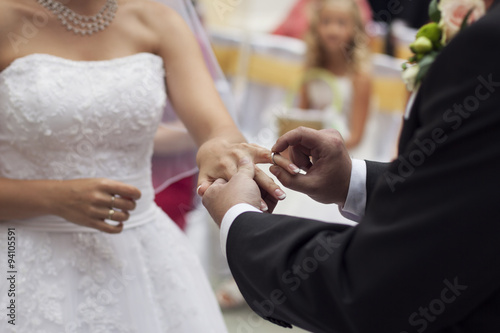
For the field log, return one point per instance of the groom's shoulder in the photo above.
(486, 28)
(476, 42)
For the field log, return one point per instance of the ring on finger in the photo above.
(272, 157)
(113, 201)
(110, 214)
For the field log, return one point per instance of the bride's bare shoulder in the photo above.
(165, 24)
(16, 7)
(154, 13)
(148, 7)
(12, 12)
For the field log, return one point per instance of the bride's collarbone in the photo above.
(78, 50)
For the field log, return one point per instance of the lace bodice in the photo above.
(64, 119)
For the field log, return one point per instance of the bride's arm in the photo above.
(171, 139)
(82, 201)
(23, 199)
(198, 105)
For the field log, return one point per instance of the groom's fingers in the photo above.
(301, 157)
(303, 136)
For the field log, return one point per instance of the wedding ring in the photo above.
(110, 214)
(112, 201)
(272, 158)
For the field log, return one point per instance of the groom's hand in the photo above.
(221, 195)
(323, 155)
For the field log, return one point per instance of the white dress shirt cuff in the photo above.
(355, 204)
(228, 220)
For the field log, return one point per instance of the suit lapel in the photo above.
(410, 124)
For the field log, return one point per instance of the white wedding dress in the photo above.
(64, 119)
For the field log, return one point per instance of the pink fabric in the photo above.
(177, 200)
(296, 23)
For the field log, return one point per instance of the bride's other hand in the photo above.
(89, 202)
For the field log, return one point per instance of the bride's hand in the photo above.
(218, 158)
(89, 202)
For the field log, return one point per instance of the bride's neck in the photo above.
(84, 7)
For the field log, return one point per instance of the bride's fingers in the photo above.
(293, 182)
(268, 185)
(263, 155)
(202, 188)
(284, 163)
(110, 214)
(269, 201)
(121, 204)
(259, 154)
(101, 225)
(108, 228)
(119, 189)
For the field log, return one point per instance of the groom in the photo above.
(425, 256)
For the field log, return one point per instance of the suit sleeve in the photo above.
(374, 170)
(426, 255)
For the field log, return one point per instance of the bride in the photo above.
(83, 85)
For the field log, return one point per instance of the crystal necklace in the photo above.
(81, 24)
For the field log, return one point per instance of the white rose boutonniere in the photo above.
(448, 17)
(410, 76)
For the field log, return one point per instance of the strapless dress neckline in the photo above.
(55, 58)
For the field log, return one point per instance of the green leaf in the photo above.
(434, 12)
(413, 59)
(425, 64)
(466, 19)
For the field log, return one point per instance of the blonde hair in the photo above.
(357, 51)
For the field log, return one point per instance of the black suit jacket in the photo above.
(426, 256)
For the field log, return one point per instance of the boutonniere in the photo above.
(448, 17)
